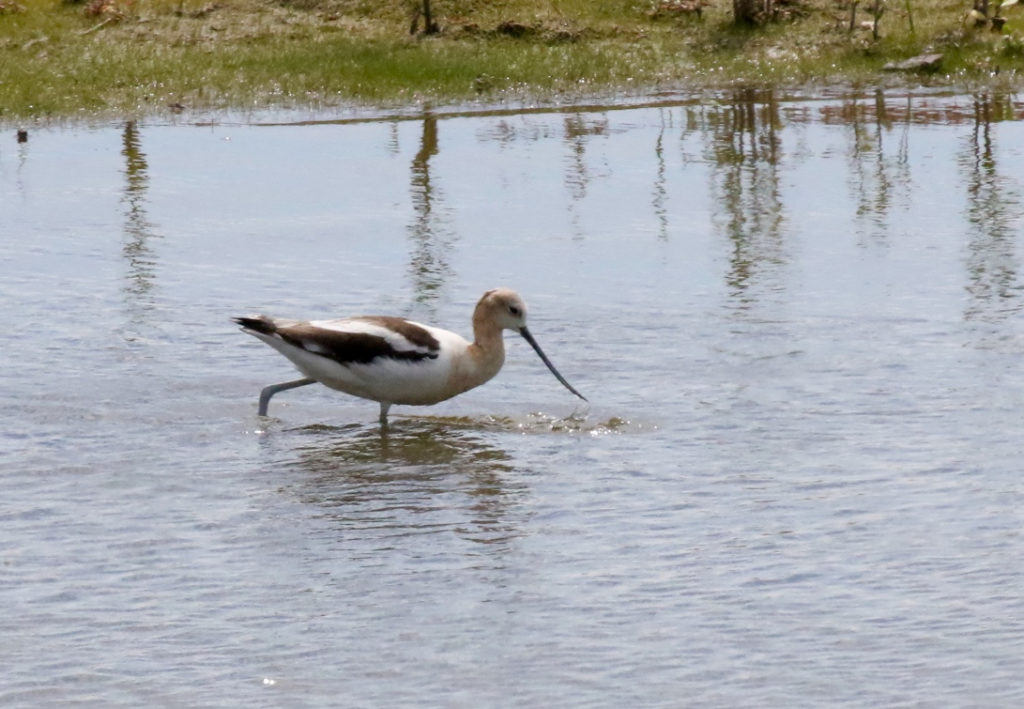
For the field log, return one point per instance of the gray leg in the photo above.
(384, 406)
(274, 388)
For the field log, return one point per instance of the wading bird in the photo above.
(391, 360)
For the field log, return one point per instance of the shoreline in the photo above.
(62, 65)
(279, 116)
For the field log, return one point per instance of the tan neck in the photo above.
(487, 353)
(486, 333)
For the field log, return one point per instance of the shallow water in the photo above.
(798, 482)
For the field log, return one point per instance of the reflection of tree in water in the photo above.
(745, 150)
(430, 233)
(579, 128)
(659, 194)
(393, 145)
(994, 212)
(874, 176)
(138, 231)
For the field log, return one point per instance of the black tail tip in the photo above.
(259, 323)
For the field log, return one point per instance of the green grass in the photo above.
(62, 59)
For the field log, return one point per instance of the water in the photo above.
(798, 320)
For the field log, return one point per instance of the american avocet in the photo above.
(395, 361)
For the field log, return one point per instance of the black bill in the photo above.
(533, 343)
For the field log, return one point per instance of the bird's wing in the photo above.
(362, 340)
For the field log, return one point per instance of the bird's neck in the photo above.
(488, 349)
(486, 333)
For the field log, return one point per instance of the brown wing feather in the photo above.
(360, 347)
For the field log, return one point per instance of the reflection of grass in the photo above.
(116, 56)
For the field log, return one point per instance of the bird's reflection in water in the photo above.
(422, 477)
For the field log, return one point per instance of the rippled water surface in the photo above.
(798, 482)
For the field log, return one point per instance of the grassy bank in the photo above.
(113, 57)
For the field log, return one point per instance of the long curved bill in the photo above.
(533, 343)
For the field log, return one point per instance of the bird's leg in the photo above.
(384, 406)
(274, 388)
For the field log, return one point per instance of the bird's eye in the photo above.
(515, 310)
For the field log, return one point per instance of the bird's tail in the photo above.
(258, 323)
